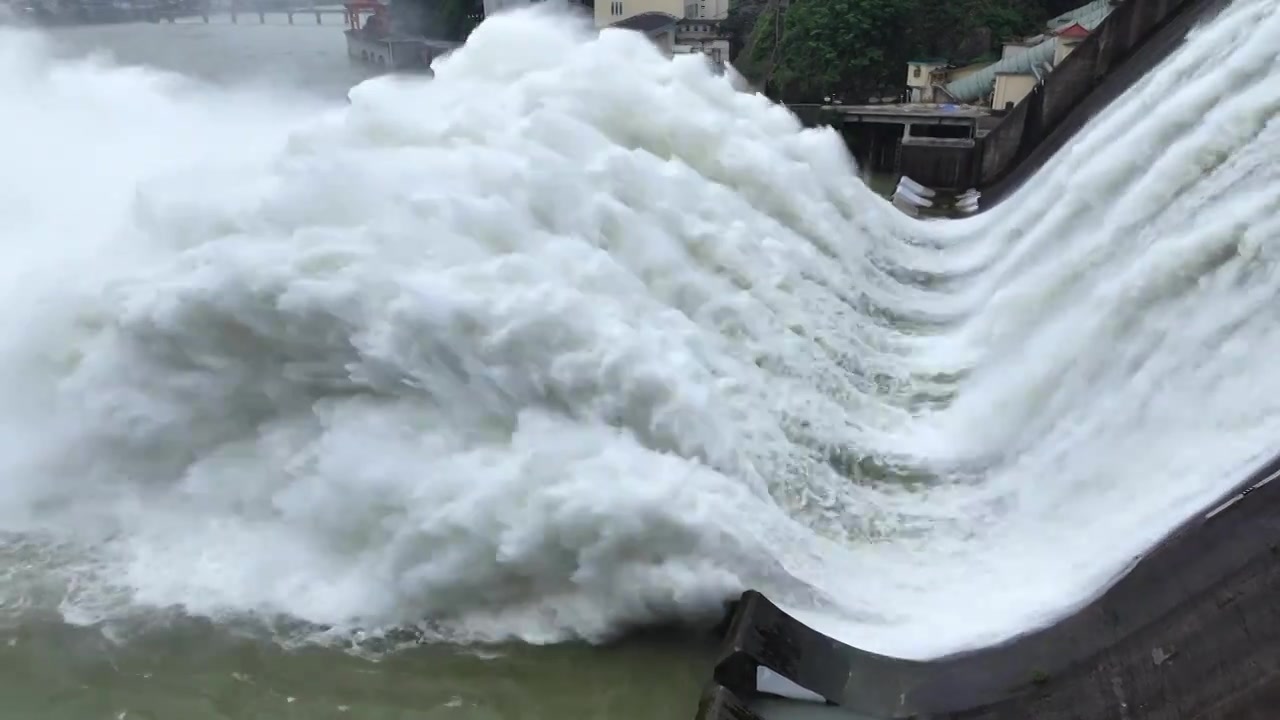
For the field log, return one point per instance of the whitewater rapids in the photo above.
(574, 338)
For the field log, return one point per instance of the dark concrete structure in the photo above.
(1133, 39)
(1192, 631)
(935, 145)
(939, 163)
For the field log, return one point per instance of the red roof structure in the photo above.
(1074, 31)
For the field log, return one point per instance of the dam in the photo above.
(1186, 630)
(347, 400)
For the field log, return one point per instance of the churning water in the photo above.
(574, 338)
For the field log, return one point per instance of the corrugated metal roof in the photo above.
(1089, 16)
(647, 22)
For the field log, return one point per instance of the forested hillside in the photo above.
(857, 48)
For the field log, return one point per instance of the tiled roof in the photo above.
(646, 21)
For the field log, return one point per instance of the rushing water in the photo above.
(574, 339)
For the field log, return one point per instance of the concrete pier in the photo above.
(1192, 631)
(396, 52)
(933, 144)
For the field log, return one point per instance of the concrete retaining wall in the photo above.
(376, 53)
(938, 165)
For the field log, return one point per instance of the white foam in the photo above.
(574, 337)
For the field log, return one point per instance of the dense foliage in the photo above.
(442, 19)
(855, 48)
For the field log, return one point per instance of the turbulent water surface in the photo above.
(571, 340)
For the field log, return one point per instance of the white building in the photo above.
(678, 27)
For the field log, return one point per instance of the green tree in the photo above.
(852, 48)
(440, 19)
(841, 46)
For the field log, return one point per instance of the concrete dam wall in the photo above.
(1192, 631)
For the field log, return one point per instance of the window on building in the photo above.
(616, 7)
(916, 72)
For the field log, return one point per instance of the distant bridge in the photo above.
(235, 12)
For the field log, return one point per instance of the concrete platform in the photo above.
(1192, 631)
(911, 113)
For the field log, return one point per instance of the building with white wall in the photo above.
(677, 27)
